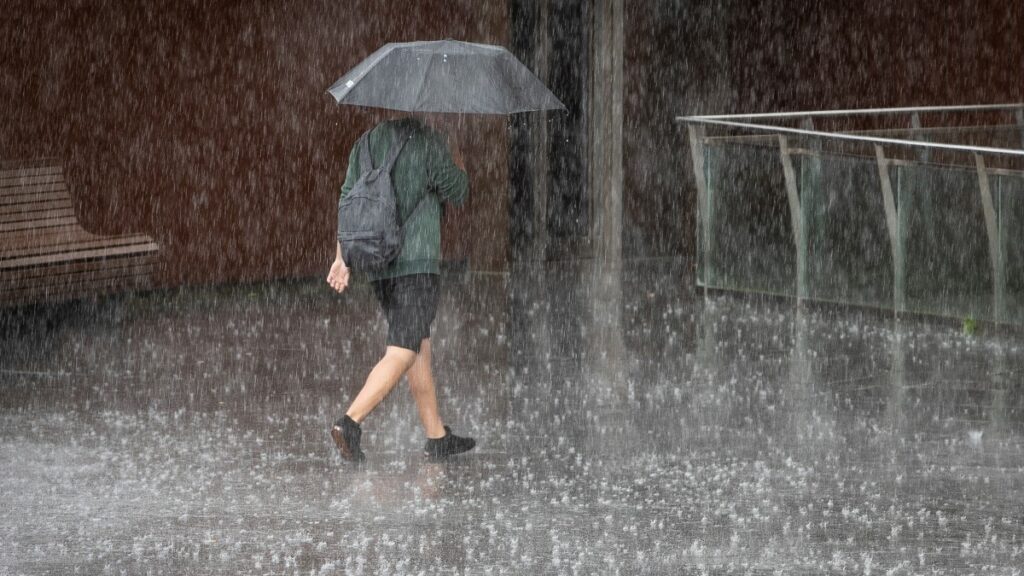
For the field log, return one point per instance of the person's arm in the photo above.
(448, 173)
(352, 174)
(338, 276)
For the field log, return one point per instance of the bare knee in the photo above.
(419, 374)
(400, 357)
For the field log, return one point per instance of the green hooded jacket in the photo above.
(424, 170)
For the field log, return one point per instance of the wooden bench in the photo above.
(46, 256)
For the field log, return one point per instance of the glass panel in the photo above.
(751, 244)
(702, 217)
(940, 221)
(849, 256)
(1010, 203)
(949, 272)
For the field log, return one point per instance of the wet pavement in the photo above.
(626, 425)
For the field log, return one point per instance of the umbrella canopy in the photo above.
(444, 76)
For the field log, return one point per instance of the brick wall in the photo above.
(207, 125)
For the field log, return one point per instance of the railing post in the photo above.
(892, 224)
(796, 217)
(923, 154)
(703, 202)
(994, 248)
(1020, 124)
(811, 223)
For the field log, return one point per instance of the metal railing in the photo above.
(918, 193)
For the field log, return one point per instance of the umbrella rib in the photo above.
(423, 81)
(376, 58)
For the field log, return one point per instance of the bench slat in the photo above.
(75, 267)
(72, 252)
(130, 267)
(101, 253)
(48, 223)
(43, 193)
(78, 272)
(35, 205)
(21, 238)
(33, 171)
(36, 176)
(16, 194)
(67, 243)
(32, 216)
(10, 183)
(50, 196)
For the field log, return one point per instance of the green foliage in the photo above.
(970, 326)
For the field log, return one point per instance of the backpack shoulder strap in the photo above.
(415, 211)
(365, 160)
(401, 137)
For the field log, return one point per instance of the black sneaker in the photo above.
(346, 433)
(448, 445)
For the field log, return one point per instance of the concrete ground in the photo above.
(626, 425)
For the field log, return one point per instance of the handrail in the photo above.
(863, 111)
(717, 121)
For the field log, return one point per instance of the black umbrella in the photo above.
(444, 76)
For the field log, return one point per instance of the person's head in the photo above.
(440, 121)
(371, 116)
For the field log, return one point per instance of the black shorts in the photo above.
(410, 303)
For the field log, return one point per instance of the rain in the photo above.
(682, 345)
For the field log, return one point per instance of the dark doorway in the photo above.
(549, 201)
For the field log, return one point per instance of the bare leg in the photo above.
(421, 384)
(381, 381)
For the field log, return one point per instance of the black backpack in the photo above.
(368, 227)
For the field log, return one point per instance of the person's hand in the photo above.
(338, 276)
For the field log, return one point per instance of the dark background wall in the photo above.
(733, 56)
(207, 125)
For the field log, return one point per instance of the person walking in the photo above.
(424, 175)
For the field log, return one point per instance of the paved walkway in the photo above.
(624, 427)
